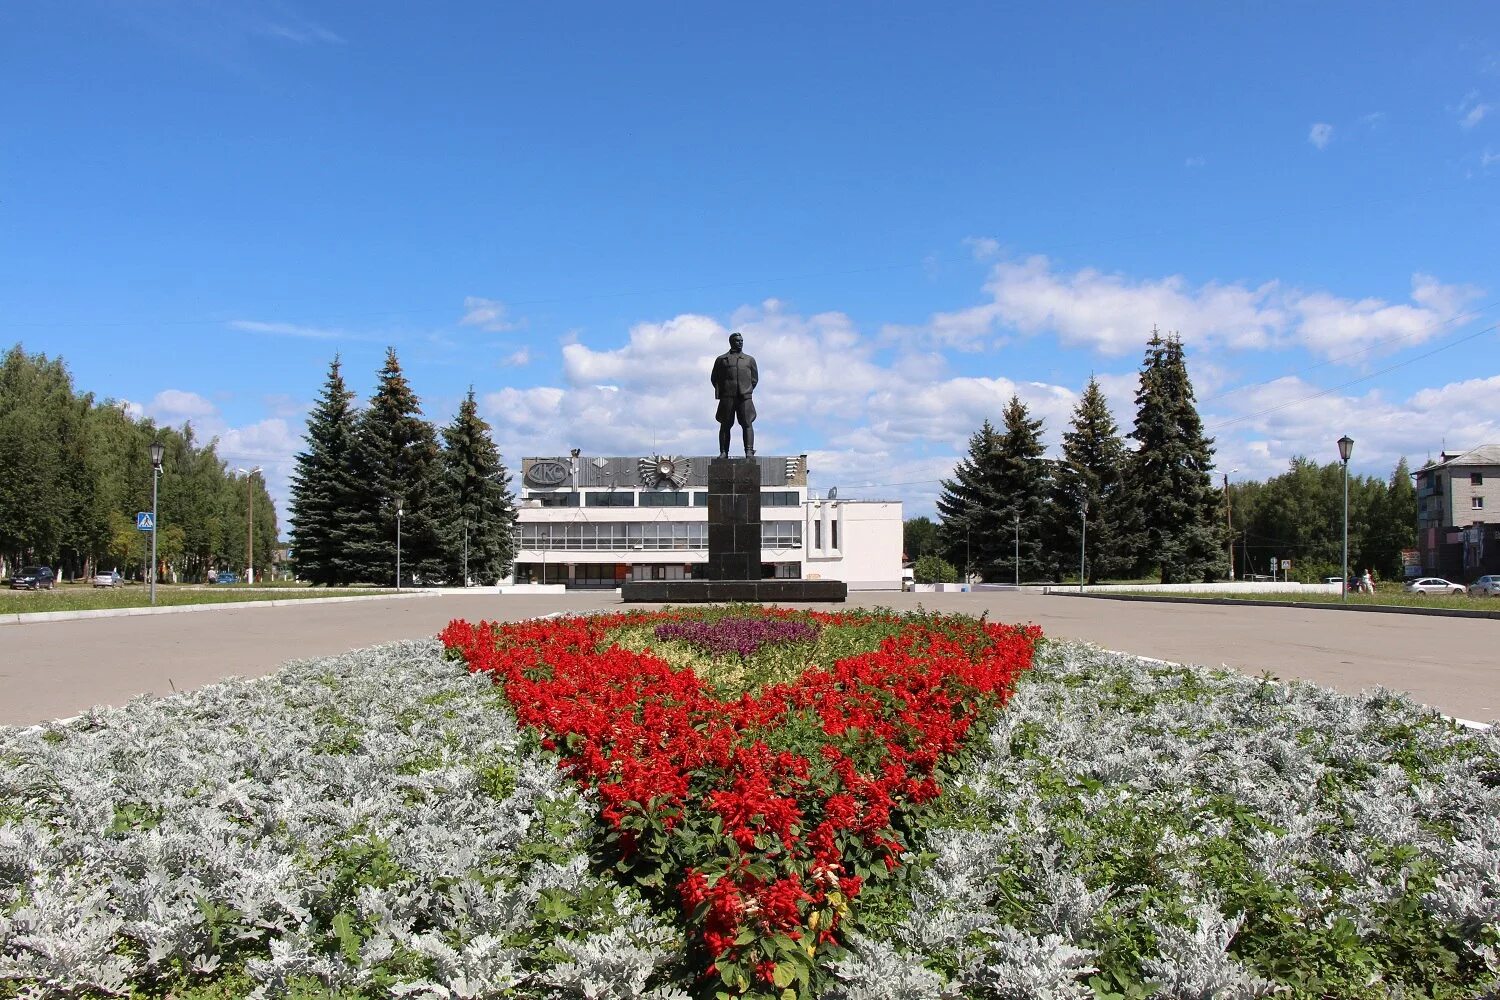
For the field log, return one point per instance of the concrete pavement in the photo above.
(57, 669)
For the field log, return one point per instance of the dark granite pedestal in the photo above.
(734, 544)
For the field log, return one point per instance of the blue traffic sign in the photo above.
(144, 521)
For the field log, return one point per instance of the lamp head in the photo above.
(398, 508)
(157, 450)
(1346, 448)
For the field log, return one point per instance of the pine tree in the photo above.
(1002, 484)
(480, 489)
(322, 497)
(1091, 480)
(1180, 528)
(396, 467)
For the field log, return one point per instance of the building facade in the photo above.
(597, 522)
(1458, 514)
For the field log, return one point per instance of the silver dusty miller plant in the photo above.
(349, 822)
(1098, 753)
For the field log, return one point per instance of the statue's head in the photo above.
(736, 342)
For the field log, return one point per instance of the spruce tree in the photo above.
(1091, 479)
(1180, 529)
(1004, 482)
(968, 508)
(321, 495)
(480, 488)
(397, 463)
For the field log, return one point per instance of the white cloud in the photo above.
(1195, 162)
(487, 314)
(982, 247)
(517, 359)
(287, 330)
(1474, 115)
(1113, 314)
(1320, 135)
(174, 405)
(1261, 429)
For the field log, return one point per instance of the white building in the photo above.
(601, 522)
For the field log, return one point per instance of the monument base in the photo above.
(726, 591)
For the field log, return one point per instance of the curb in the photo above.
(40, 617)
(1380, 609)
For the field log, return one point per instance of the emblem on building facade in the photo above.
(659, 470)
(547, 472)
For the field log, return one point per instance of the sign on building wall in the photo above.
(1411, 562)
(547, 472)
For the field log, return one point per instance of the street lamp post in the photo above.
(1346, 448)
(1083, 543)
(249, 522)
(398, 545)
(1018, 551)
(157, 450)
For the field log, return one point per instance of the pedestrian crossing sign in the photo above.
(145, 521)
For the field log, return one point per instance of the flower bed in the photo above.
(765, 814)
(377, 825)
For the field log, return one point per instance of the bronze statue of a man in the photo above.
(734, 377)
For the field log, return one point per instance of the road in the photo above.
(57, 669)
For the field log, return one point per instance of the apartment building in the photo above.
(1458, 514)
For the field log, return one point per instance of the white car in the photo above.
(1485, 586)
(1433, 585)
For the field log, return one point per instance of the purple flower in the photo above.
(742, 636)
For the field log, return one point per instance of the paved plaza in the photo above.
(57, 669)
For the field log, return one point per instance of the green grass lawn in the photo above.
(1384, 595)
(81, 597)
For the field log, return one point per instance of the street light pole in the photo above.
(157, 450)
(398, 545)
(1083, 544)
(1018, 551)
(1346, 448)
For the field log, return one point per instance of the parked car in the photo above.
(34, 578)
(227, 577)
(1485, 586)
(1433, 585)
(111, 579)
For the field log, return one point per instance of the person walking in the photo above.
(1367, 582)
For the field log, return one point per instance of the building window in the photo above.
(778, 498)
(666, 499)
(700, 499)
(780, 534)
(620, 499)
(817, 534)
(1476, 503)
(554, 499)
(1476, 479)
(833, 531)
(609, 536)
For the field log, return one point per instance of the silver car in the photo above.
(1485, 586)
(1433, 585)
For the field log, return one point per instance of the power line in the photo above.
(1355, 381)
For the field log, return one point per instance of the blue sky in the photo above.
(911, 213)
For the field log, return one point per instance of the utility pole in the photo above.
(249, 475)
(1229, 524)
